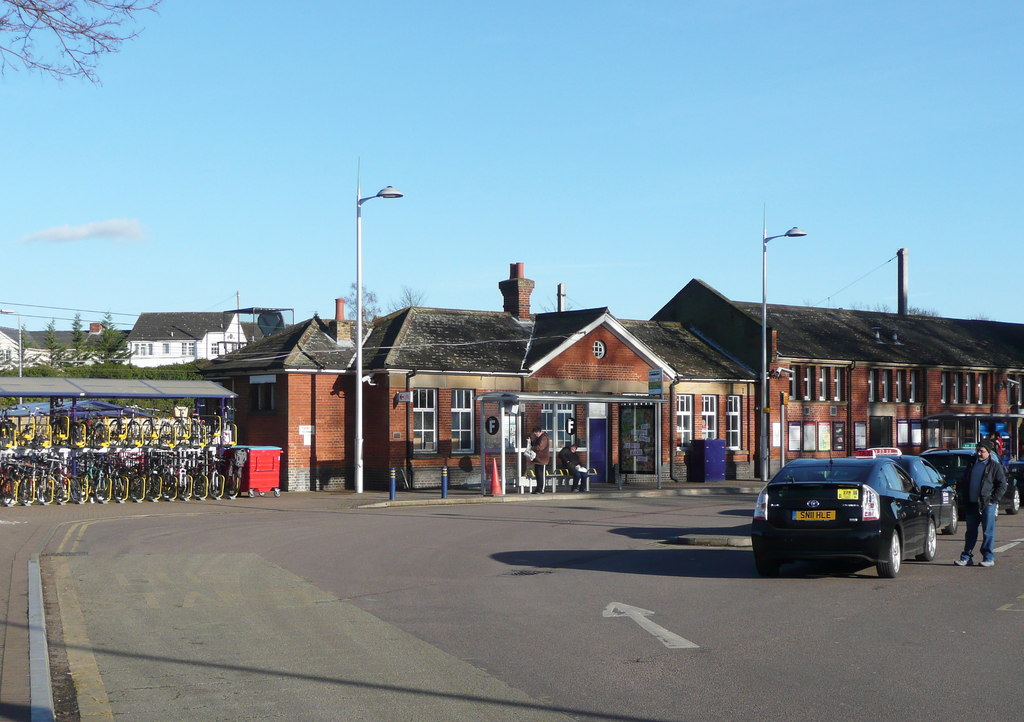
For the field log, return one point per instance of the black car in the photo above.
(953, 463)
(944, 499)
(857, 509)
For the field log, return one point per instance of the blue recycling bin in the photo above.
(707, 460)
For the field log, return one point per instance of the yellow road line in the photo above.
(92, 694)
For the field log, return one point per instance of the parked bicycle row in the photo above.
(52, 430)
(64, 475)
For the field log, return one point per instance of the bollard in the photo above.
(444, 482)
(391, 485)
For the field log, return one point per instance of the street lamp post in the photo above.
(388, 192)
(765, 411)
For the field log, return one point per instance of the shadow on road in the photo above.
(665, 533)
(696, 562)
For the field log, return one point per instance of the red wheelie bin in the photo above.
(260, 466)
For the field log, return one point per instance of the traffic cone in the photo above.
(496, 489)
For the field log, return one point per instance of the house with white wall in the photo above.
(159, 339)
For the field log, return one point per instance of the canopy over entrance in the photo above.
(500, 430)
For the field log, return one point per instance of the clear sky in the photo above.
(622, 148)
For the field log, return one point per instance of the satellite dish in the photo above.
(270, 322)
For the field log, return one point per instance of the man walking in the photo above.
(982, 486)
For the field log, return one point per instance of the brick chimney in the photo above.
(516, 292)
(343, 330)
(95, 327)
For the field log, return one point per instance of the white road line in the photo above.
(1011, 545)
(640, 616)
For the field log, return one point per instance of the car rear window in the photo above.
(829, 474)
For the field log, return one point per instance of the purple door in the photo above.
(597, 448)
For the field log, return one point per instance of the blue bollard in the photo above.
(444, 482)
(391, 485)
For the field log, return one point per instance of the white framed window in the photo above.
(980, 388)
(733, 421)
(794, 382)
(822, 383)
(709, 416)
(969, 388)
(462, 421)
(944, 387)
(884, 377)
(912, 386)
(837, 384)
(600, 349)
(872, 384)
(553, 418)
(424, 421)
(167, 349)
(808, 382)
(898, 385)
(684, 420)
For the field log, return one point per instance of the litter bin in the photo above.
(261, 468)
(707, 460)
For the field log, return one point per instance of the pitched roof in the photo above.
(552, 329)
(308, 345)
(840, 334)
(174, 325)
(448, 340)
(690, 356)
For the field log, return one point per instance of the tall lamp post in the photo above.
(388, 192)
(765, 411)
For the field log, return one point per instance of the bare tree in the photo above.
(66, 38)
(371, 307)
(408, 297)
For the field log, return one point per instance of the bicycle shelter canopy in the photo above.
(49, 387)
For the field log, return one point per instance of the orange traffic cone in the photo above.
(496, 489)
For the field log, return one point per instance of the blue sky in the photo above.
(622, 148)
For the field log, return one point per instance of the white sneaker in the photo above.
(988, 563)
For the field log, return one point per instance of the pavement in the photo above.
(29, 532)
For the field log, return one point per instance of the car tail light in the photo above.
(761, 507)
(870, 506)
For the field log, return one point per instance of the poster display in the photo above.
(636, 439)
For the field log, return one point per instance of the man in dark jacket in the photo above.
(569, 462)
(982, 486)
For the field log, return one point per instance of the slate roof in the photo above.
(308, 345)
(178, 325)
(434, 339)
(447, 340)
(552, 329)
(687, 354)
(840, 334)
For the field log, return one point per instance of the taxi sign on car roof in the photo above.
(878, 451)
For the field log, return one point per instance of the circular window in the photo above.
(600, 349)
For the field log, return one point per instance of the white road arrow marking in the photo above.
(1011, 545)
(640, 616)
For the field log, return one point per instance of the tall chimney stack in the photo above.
(902, 308)
(516, 292)
(339, 309)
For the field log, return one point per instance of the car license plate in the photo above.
(815, 515)
(848, 494)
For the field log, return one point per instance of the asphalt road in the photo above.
(572, 608)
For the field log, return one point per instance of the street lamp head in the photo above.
(791, 233)
(391, 192)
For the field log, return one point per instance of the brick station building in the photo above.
(424, 369)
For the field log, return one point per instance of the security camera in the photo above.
(780, 371)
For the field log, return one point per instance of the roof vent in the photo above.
(895, 335)
(878, 333)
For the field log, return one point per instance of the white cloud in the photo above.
(122, 230)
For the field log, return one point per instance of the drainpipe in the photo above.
(672, 433)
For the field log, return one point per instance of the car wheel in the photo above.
(954, 521)
(890, 566)
(930, 544)
(1014, 506)
(766, 567)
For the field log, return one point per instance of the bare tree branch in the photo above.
(65, 38)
